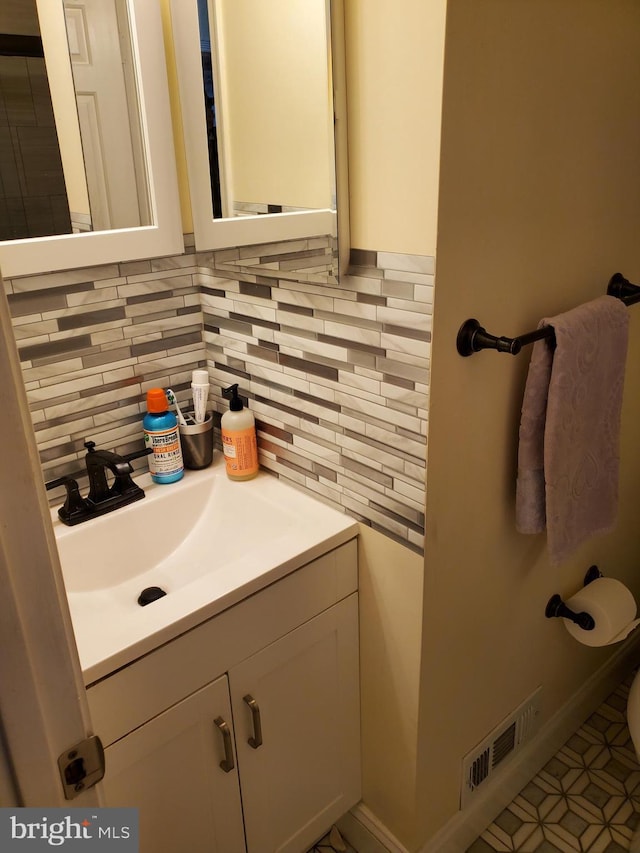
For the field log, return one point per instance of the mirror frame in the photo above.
(213, 233)
(46, 254)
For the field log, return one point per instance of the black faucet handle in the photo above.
(60, 481)
(75, 508)
(137, 454)
(90, 446)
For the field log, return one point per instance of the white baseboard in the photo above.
(368, 835)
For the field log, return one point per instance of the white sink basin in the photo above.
(129, 542)
(206, 541)
(172, 537)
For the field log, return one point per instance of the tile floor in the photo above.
(586, 799)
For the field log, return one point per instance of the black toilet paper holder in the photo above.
(557, 607)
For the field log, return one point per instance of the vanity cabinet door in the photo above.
(169, 769)
(296, 713)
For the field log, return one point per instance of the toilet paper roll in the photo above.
(612, 607)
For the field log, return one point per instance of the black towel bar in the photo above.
(472, 337)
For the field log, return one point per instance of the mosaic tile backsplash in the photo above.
(337, 375)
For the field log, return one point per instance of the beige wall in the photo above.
(394, 85)
(390, 581)
(273, 112)
(394, 66)
(539, 205)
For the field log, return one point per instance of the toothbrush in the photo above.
(171, 397)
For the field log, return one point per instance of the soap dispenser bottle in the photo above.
(162, 437)
(239, 443)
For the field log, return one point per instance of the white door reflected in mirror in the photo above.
(108, 112)
(77, 150)
(73, 158)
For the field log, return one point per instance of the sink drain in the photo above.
(151, 593)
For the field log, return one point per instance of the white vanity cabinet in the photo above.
(169, 769)
(303, 776)
(243, 733)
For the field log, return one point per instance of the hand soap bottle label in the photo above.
(167, 455)
(240, 451)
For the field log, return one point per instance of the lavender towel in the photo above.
(570, 428)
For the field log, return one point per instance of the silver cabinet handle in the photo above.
(256, 740)
(227, 762)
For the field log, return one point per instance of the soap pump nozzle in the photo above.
(231, 393)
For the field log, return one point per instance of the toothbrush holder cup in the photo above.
(196, 441)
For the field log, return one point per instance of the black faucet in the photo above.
(103, 497)
(98, 462)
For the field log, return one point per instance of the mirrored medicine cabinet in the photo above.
(258, 92)
(88, 168)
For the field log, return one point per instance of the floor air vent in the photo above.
(504, 740)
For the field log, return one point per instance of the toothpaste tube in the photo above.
(200, 390)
